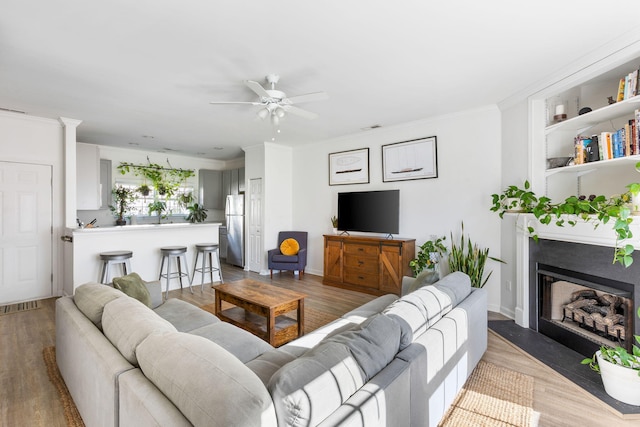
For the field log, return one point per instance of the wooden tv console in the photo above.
(368, 264)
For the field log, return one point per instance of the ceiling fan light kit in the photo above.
(275, 102)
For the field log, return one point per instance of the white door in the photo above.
(255, 225)
(25, 232)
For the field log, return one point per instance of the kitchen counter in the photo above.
(145, 241)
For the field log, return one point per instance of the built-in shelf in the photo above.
(583, 122)
(586, 168)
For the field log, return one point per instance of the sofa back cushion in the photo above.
(308, 389)
(126, 322)
(205, 382)
(91, 298)
(418, 311)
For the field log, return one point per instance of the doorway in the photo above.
(26, 232)
(255, 225)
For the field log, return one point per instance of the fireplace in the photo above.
(579, 298)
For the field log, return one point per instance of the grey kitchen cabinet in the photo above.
(210, 189)
(241, 180)
(234, 181)
(226, 182)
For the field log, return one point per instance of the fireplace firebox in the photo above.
(579, 300)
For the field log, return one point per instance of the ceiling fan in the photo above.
(275, 103)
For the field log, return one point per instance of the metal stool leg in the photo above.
(219, 265)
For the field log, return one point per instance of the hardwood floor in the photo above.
(27, 398)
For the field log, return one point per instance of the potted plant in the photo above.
(197, 213)
(159, 207)
(123, 202)
(429, 256)
(514, 199)
(594, 209)
(186, 199)
(334, 224)
(470, 259)
(144, 190)
(620, 371)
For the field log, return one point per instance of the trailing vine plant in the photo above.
(593, 209)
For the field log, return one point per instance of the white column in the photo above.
(69, 147)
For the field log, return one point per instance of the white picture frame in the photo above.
(349, 167)
(407, 160)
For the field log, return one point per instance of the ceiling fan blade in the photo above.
(299, 112)
(309, 97)
(235, 102)
(257, 88)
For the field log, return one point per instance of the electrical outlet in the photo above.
(509, 285)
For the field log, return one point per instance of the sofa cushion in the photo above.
(457, 285)
(134, 286)
(91, 298)
(127, 322)
(308, 389)
(204, 381)
(289, 247)
(284, 258)
(417, 311)
(184, 316)
(369, 309)
(242, 344)
(373, 344)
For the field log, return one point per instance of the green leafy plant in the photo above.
(158, 206)
(334, 221)
(186, 199)
(470, 259)
(197, 213)
(593, 209)
(429, 255)
(144, 189)
(165, 180)
(123, 202)
(618, 356)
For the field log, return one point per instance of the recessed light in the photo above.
(133, 143)
(218, 148)
(372, 127)
(148, 136)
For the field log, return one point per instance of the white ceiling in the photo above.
(141, 74)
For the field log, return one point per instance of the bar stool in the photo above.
(206, 249)
(114, 258)
(179, 254)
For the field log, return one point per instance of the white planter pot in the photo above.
(619, 382)
(513, 205)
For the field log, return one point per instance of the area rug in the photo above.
(313, 319)
(71, 414)
(493, 396)
(18, 307)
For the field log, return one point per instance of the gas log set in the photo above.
(600, 313)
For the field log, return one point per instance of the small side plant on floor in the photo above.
(470, 259)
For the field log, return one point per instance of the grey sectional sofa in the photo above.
(391, 362)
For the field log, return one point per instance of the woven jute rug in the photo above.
(71, 414)
(18, 307)
(493, 396)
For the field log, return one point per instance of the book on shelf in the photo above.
(627, 140)
(621, 85)
(592, 150)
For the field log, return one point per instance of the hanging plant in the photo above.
(593, 209)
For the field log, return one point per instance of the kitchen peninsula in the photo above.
(145, 241)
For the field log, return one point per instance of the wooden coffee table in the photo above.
(259, 309)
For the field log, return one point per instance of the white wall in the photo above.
(515, 171)
(28, 139)
(469, 171)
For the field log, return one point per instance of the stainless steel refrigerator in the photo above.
(234, 212)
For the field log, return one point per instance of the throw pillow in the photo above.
(426, 277)
(289, 247)
(133, 285)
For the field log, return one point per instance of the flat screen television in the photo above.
(369, 211)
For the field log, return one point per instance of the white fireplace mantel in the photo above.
(582, 232)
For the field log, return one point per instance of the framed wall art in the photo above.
(415, 159)
(349, 167)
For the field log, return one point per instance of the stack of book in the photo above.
(628, 86)
(609, 145)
